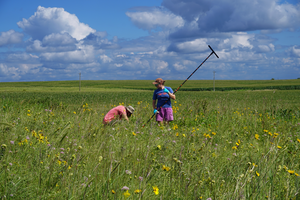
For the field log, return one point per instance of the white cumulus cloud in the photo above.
(152, 19)
(10, 37)
(46, 21)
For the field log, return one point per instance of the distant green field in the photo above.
(191, 85)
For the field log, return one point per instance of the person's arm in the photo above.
(154, 104)
(172, 96)
(124, 115)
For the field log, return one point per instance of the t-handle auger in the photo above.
(213, 52)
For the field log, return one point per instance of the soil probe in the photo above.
(213, 52)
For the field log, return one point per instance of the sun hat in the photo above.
(159, 81)
(130, 109)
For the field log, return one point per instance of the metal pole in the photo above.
(214, 79)
(79, 81)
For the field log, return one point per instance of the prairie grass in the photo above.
(221, 145)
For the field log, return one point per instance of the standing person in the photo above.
(117, 114)
(163, 94)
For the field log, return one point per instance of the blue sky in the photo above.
(42, 40)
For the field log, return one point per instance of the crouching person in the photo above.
(116, 114)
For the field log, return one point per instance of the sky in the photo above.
(43, 40)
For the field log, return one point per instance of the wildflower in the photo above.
(291, 171)
(234, 147)
(126, 194)
(213, 133)
(159, 147)
(125, 188)
(183, 135)
(128, 172)
(80, 147)
(165, 168)
(74, 112)
(137, 191)
(177, 134)
(59, 162)
(297, 174)
(100, 158)
(175, 127)
(113, 192)
(3, 146)
(279, 147)
(141, 178)
(12, 142)
(34, 134)
(257, 174)
(133, 133)
(155, 190)
(298, 140)
(270, 133)
(70, 167)
(257, 136)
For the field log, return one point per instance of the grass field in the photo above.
(146, 85)
(239, 144)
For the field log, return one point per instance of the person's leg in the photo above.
(160, 117)
(168, 115)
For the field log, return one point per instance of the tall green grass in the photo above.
(221, 145)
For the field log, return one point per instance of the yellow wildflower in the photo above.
(34, 133)
(279, 147)
(126, 194)
(137, 191)
(133, 133)
(112, 191)
(257, 136)
(166, 168)
(155, 190)
(159, 147)
(257, 174)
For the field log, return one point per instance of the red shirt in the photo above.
(115, 113)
